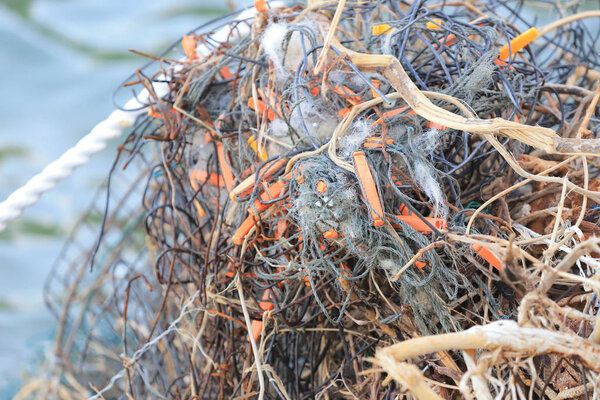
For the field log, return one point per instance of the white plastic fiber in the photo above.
(285, 59)
(356, 135)
(425, 178)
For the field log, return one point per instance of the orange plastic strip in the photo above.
(274, 192)
(488, 256)
(369, 190)
(349, 94)
(374, 142)
(419, 225)
(404, 210)
(189, 47)
(228, 176)
(256, 326)
(281, 228)
(331, 234)
(229, 270)
(452, 38)
(273, 102)
(261, 107)
(321, 187)
(265, 303)
(343, 112)
(398, 182)
(199, 208)
(397, 111)
(519, 42)
(226, 73)
(244, 188)
(243, 230)
(201, 176)
(393, 113)
(156, 114)
(435, 125)
(420, 263)
(260, 5)
(375, 83)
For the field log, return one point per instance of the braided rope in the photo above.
(95, 141)
(63, 167)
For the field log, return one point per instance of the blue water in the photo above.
(59, 64)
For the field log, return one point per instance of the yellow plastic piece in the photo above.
(381, 28)
(262, 154)
(435, 23)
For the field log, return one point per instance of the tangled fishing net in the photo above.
(347, 200)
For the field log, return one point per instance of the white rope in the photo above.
(94, 142)
(76, 156)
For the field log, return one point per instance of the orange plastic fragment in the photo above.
(519, 42)
(343, 112)
(321, 186)
(201, 176)
(189, 47)
(261, 107)
(331, 234)
(245, 187)
(421, 264)
(226, 171)
(265, 303)
(500, 63)
(488, 256)
(398, 182)
(345, 270)
(199, 208)
(243, 230)
(374, 141)
(418, 224)
(274, 192)
(435, 125)
(391, 114)
(156, 114)
(260, 5)
(375, 83)
(404, 210)
(381, 28)
(368, 188)
(350, 96)
(452, 38)
(397, 111)
(272, 101)
(281, 228)
(226, 73)
(256, 328)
